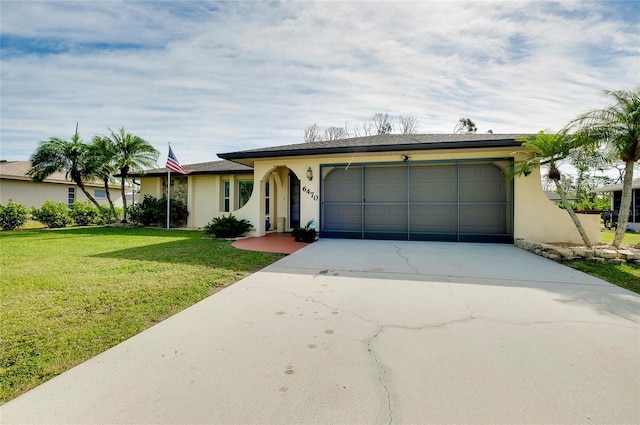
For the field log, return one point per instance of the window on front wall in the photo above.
(99, 193)
(71, 196)
(245, 187)
(226, 190)
(266, 199)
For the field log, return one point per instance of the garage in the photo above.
(457, 201)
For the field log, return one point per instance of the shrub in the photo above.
(307, 233)
(144, 213)
(85, 214)
(107, 216)
(227, 227)
(13, 215)
(52, 214)
(152, 211)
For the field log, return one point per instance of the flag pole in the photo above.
(168, 193)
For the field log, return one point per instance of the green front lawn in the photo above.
(69, 294)
(630, 239)
(624, 275)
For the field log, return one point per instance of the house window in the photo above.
(71, 196)
(225, 195)
(266, 199)
(245, 188)
(99, 193)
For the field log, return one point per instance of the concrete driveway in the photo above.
(373, 332)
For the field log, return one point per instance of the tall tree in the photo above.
(71, 157)
(312, 134)
(335, 133)
(617, 128)
(465, 125)
(382, 123)
(131, 153)
(102, 150)
(408, 124)
(550, 150)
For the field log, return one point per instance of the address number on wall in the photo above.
(311, 193)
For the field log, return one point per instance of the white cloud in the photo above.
(216, 77)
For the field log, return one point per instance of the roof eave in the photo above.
(231, 156)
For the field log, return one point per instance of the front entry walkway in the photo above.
(282, 243)
(372, 332)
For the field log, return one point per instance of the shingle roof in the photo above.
(212, 167)
(635, 184)
(17, 170)
(382, 143)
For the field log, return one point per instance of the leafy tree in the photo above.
(465, 125)
(549, 150)
(617, 128)
(13, 215)
(71, 157)
(131, 153)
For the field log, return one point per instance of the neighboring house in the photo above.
(210, 190)
(616, 199)
(555, 197)
(16, 185)
(449, 187)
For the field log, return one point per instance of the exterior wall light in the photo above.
(405, 158)
(309, 173)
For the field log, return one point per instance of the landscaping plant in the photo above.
(13, 215)
(85, 214)
(227, 227)
(54, 215)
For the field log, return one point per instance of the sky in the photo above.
(214, 77)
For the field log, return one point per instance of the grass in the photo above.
(624, 275)
(67, 295)
(630, 239)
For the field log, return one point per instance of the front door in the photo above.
(294, 200)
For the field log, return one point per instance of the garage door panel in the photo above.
(433, 183)
(386, 184)
(434, 218)
(342, 185)
(483, 219)
(388, 218)
(481, 183)
(342, 217)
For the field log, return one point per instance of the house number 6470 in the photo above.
(310, 192)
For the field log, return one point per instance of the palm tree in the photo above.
(132, 153)
(617, 127)
(103, 152)
(71, 157)
(549, 150)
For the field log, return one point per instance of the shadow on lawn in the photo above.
(197, 251)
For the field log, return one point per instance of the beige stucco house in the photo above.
(16, 185)
(449, 187)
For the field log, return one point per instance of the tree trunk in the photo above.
(124, 200)
(572, 214)
(625, 204)
(113, 208)
(80, 184)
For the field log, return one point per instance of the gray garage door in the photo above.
(454, 201)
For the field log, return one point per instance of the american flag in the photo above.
(174, 165)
